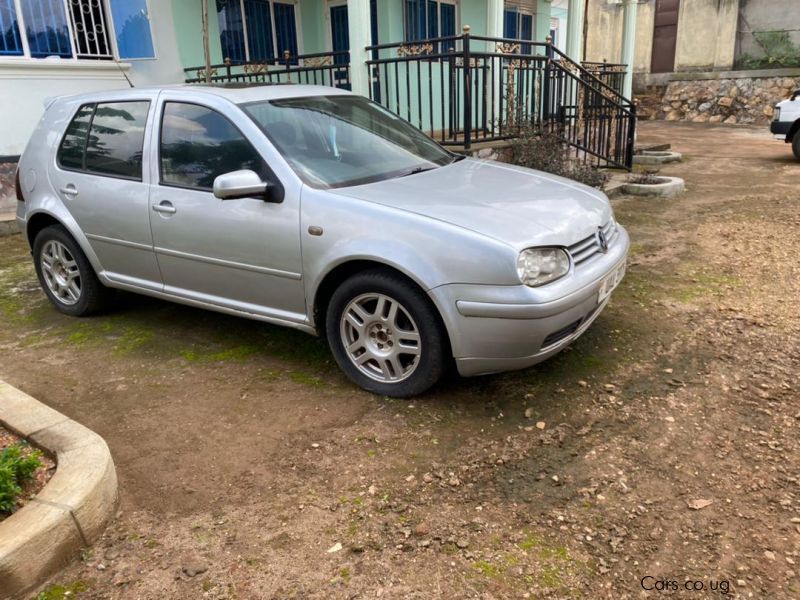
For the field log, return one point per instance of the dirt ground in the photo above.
(250, 468)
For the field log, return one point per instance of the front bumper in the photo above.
(780, 129)
(503, 328)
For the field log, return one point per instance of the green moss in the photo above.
(486, 568)
(62, 592)
(305, 378)
(235, 354)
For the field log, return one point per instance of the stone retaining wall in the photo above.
(735, 100)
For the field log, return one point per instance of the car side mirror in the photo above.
(795, 94)
(241, 184)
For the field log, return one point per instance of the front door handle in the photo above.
(165, 206)
(69, 190)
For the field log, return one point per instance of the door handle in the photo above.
(165, 206)
(70, 190)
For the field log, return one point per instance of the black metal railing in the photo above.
(612, 74)
(324, 68)
(467, 88)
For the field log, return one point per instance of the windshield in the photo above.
(336, 141)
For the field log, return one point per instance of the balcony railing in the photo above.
(325, 68)
(466, 89)
(612, 74)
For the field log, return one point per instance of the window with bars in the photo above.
(425, 19)
(257, 30)
(75, 29)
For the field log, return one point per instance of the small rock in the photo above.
(669, 419)
(700, 503)
(410, 478)
(194, 569)
(462, 543)
(422, 529)
(335, 548)
(427, 478)
(101, 567)
(582, 383)
(372, 490)
(769, 555)
(609, 387)
(529, 413)
(454, 481)
(356, 548)
(540, 425)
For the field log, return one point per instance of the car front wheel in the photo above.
(66, 275)
(796, 145)
(385, 334)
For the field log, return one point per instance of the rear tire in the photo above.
(796, 145)
(66, 275)
(385, 334)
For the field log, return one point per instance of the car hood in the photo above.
(515, 205)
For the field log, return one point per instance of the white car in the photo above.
(786, 122)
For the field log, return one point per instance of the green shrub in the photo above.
(779, 52)
(16, 467)
(546, 151)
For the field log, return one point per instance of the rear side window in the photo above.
(198, 144)
(107, 139)
(73, 146)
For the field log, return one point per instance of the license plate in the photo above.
(610, 282)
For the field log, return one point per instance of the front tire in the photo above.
(796, 145)
(385, 334)
(65, 274)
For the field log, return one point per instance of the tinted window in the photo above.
(199, 144)
(116, 139)
(70, 154)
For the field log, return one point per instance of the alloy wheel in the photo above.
(61, 272)
(380, 337)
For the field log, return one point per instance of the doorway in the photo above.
(665, 36)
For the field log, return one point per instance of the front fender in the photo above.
(430, 252)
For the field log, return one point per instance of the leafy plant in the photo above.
(779, 51)
(546, 151)
(16, 467)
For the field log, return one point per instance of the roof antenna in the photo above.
(124, 74)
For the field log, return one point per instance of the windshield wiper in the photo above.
(416, 170)
(458, 157)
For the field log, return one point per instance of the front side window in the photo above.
(106, 139)
(336, 141)
(257, 30)
(199, 144)
(132, 28)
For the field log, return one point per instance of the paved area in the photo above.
(249, 467)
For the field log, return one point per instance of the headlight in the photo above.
(537, 266)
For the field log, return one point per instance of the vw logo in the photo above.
(602, 242)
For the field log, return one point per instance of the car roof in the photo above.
(236, 93)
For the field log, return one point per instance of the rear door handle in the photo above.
(165, 206)
(70, 190)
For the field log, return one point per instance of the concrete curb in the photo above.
(74, 507)
(672, 187)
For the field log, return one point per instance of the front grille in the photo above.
(588, 246)
(561, 334)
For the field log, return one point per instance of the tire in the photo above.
(65, 274)
(385, 334)
(796, 144)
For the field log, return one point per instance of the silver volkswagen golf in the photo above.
(317, 209)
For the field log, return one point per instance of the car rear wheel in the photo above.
(796, 144)
(65, 274)
(385, 334)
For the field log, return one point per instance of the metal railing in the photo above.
(467, 88)
(324, 68)
(612, 74)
